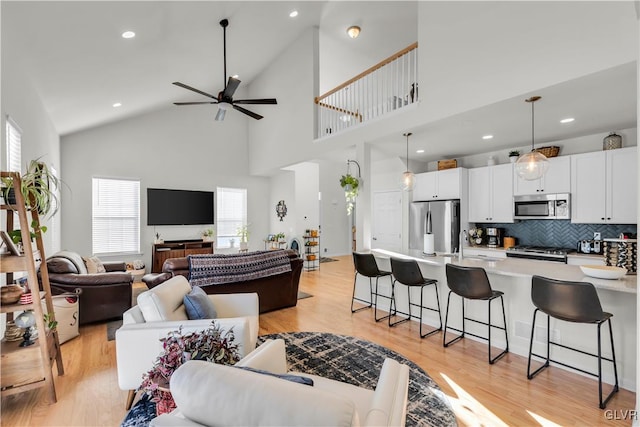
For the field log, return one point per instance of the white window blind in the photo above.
(231, 215)
(14, 146)
(116, 216)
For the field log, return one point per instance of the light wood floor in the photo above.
(481, 394)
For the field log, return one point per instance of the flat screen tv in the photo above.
(179, 207)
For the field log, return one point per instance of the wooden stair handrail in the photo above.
(341, 110)
(370, 70)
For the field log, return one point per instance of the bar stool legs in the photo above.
(393, 310)
(463, 331)
(353, 295)
(547, 359)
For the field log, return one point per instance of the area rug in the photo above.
(347, 359)
(303, 295)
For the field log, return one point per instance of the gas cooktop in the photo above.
(550, 250)
(542, 253)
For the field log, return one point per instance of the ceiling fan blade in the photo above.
(195, 103)
(232, 85)
(256, 101)
(247, 112)
(194, 89)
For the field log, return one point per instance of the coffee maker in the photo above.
(494, 237)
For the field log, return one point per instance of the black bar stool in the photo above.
(576, 302)
(472, 283)
(407, 272)
(366, 266)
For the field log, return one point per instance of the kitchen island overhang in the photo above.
(513, 277)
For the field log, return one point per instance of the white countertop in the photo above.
(517, 267)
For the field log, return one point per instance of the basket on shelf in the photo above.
(551, 151)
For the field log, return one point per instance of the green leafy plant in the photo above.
(350, 185)
(210, 344)
(243, 233)
(278, 237)
(16, 235)
(209, 232)
(50, 321)
(38, 187)
(514, 153)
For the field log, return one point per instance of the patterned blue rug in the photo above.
(350, 360)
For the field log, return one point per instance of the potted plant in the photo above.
(39, 186)
(16, 235)
(210, 344)
(513, 155)
(243, 233)
(350, 185)
(208, 234)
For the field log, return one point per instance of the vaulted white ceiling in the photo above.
(78, 62)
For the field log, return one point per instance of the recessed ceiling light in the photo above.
(487, 136)
(419, 151)
(567, 120)
(293, 14)
(117, 104)
(128, 35)
(353, 31)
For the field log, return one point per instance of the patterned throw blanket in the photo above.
(217, 269)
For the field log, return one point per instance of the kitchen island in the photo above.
(513, 277)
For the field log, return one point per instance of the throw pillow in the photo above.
(289, 377)
(199, 305)
(94, 265)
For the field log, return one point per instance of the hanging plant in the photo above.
(349, 184)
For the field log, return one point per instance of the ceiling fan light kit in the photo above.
(532, 165)
(225, 97)
(353, 31)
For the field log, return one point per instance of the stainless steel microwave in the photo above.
(542, 206)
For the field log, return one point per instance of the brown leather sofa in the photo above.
(274, 292)
(102, 296)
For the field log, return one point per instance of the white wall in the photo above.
(517, 47)
(336, 224)
(21, 102)
(285, 135)
(177, 148)
(282, 187)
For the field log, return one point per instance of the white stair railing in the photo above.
(387, 86)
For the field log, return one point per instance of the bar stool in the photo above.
(407, 272)
(472, 283)
(576, 302)
(366, 266)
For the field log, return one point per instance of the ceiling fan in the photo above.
(225, 97)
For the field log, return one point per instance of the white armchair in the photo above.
(160, 311)
(207, 394)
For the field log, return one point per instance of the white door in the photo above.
(387, 220)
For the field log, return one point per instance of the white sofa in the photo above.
(207, 394)
(160, 311)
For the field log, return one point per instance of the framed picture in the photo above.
(9, 243)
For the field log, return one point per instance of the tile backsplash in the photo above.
(559, 233)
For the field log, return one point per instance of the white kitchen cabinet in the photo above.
(491, 194)
(439, 185)
(585, 260)
(604, 187)
(556, 180)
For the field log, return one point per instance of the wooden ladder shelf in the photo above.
(27, 368)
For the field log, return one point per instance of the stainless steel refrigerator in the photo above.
(445, 225)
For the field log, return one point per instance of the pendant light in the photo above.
(532, 165)
(408, 178)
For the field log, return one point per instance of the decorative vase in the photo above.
(513, 159)
(612, 141)
(491, 161)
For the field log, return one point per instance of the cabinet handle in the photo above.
(602, 218)
(609, 218)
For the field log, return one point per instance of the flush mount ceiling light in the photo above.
(128, 35)
(408, 178)
(353, 31)
(532, 165)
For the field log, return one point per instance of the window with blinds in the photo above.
(115, 216)
(14, 146)
(231, 215)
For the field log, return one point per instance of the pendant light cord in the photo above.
(408, 134)
(532, 100)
